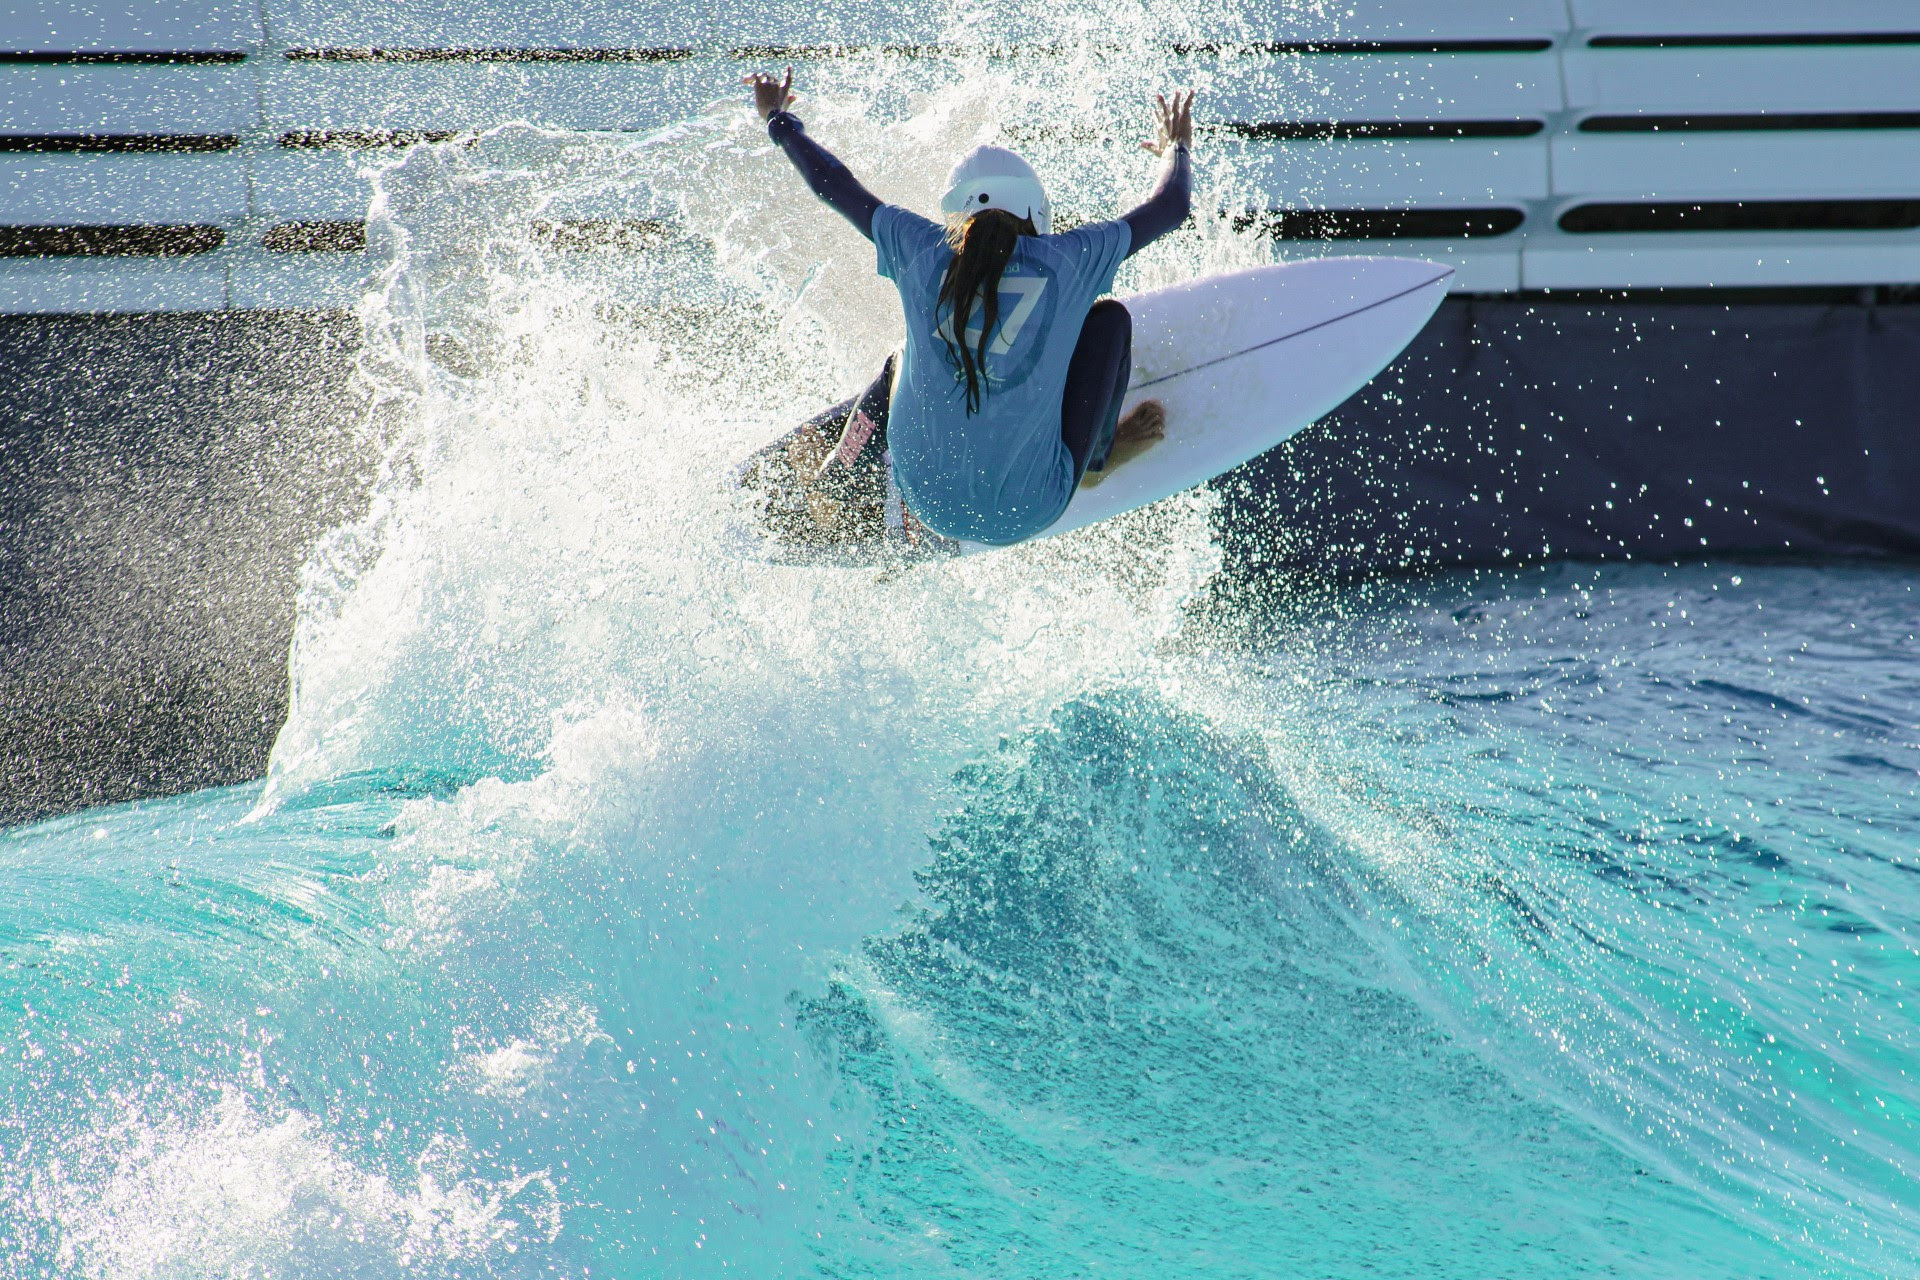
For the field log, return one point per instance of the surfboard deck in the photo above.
(1241, 361)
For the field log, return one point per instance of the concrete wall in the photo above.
(161, 479)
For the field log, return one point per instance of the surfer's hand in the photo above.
(1176, 122)
(770, 95)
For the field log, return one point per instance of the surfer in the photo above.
(1008, 390)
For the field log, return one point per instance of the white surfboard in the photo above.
(1241, 362)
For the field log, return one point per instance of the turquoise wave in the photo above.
(1569, 932)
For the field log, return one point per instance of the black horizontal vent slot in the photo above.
(1753, 122)
(785, 52)
(1381, 224)
(108, 242)
(110, 57)
(1524, 45)
(362, 139)
(1287, 130)
(566, 235)
(58, 142)
(600, 233)
(1745, 215)
(316, 237)
(780, 52)
(1788, 40)
(489, 55)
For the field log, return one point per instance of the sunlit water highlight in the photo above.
(620, 904)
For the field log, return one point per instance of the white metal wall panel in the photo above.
(633, 200)
(101, 285)
(261, 183)
(738, 23)
(1396, 20)
(1479, 266)
(296, 184)
(1460, 86)
(1735, 81)
(169, 26)
(312, 185)
(1722, 259)
(296, 280)
(463, 96)
(1724, 166)
(1448, 172)
(1743, 17)
(128, 99)
(487, 24)
(121, 190)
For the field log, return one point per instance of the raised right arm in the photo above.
(829, 179)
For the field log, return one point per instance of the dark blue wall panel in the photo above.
(1516, 429)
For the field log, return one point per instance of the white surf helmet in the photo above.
(996, 178)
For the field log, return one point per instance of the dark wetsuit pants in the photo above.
(1089, 409)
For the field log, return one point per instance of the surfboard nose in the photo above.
(1341, 286)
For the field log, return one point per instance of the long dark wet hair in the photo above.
(982, 247)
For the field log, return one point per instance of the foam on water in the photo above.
(619, 903)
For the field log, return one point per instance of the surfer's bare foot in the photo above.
(1138, 432)
(1147, 422)
(807, 451)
